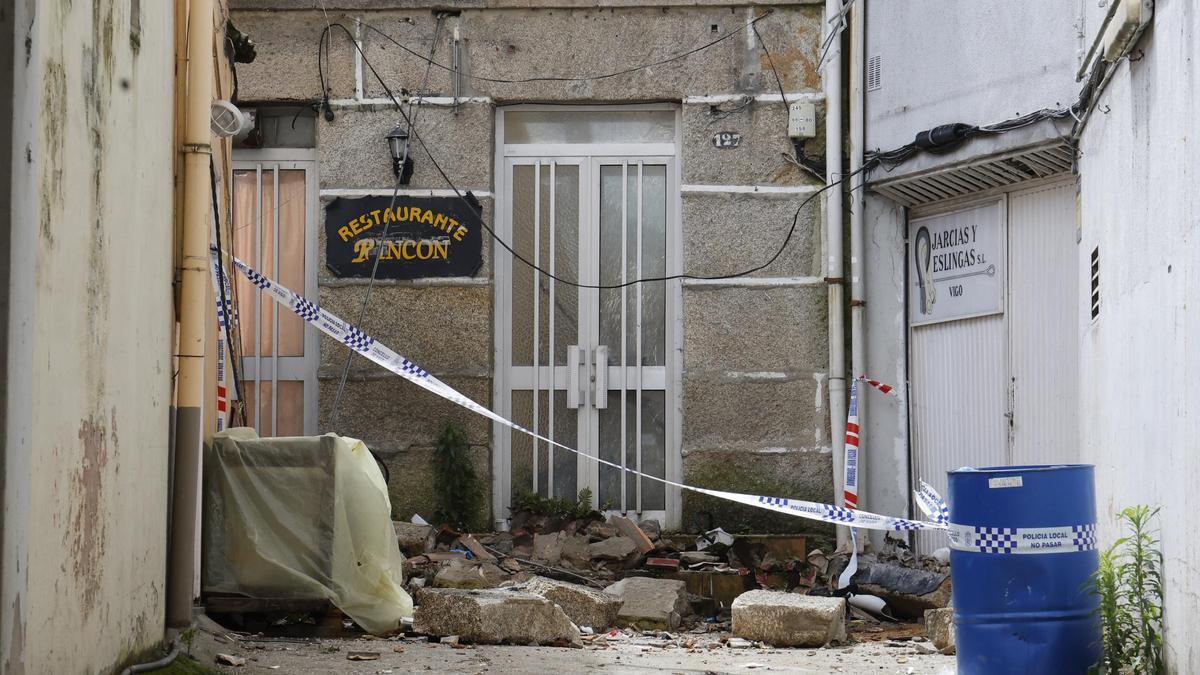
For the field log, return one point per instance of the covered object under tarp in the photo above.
(302, 518)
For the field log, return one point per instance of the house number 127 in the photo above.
(727, 139)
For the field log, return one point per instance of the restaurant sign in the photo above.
(425, 237)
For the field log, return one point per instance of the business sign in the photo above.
(956, 265)
(417, 237)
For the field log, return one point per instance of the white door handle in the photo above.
(601, 388)
(573, 376)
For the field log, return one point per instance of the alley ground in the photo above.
(645, 655)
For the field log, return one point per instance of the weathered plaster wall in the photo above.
(942, 61)
(90, 336)
(884, 461)
(755, 361)
(1140, 361)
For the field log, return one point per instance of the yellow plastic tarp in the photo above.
(304, 517)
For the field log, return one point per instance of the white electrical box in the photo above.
(802, 120)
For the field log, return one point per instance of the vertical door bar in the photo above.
(537, 323)
(638, 346)
(275, 305)
(624, 314)
(258, 198)
(550, 319)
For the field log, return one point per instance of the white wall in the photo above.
(884, 420)
(976, 62)
(1140, 368)
(90, 337)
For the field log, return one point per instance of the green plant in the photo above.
(188, 637)
(562, 507)
(456, 485)
(1129, 587)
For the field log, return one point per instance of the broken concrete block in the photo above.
(697, 557)
(575, 550)
(598, 531)
(410, 537)
(789, 619)
(583, 605)
(459, 574)
(649, 603)
(651, 528)
(630, 529)
(492, 616)
(472, 544)
(939, 625)
(548, 547)
(616, 548)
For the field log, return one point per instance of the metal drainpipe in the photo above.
(832, 83)
(858, 356)
(189, 384)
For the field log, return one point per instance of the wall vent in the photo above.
(1095, 283)
(874, 73)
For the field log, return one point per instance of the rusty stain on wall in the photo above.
(87, 529)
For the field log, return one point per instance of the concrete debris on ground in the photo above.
(615, 571)
(411, 537)
(789, 619)
(596, 610)
(493, 616)
(940, 625)
(650, 603)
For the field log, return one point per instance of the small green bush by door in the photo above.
(456, 485)
(1129, 586)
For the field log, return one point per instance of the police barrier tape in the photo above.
(379, 354)
(1023, 540)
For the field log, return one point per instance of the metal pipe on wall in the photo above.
(189, 384)
(832, 85)
(858, 357)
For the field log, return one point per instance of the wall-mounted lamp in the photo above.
(402, 164)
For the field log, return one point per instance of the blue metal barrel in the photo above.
(1023, 544)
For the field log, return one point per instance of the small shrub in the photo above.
(562, 507)
(456, 485)
(1128, 584)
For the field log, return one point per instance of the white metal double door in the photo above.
(274, 216)
(598, 362)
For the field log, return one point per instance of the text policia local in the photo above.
(402, 214)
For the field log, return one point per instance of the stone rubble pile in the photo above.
(567, 581)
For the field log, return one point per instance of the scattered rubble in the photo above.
(411, 537)
(940, 625)
(529, 584)
(650, 603)
(907, 591)
(634, 533)
(231, 660)
(789, 619)
(493, 616)
(616, 548)
(595, 610)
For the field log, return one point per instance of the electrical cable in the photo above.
(800, 160)
(411, 118)
(473, 202)
(584, 78)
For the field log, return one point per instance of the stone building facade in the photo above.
(730, 373)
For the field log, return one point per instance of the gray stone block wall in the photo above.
(755, 353)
